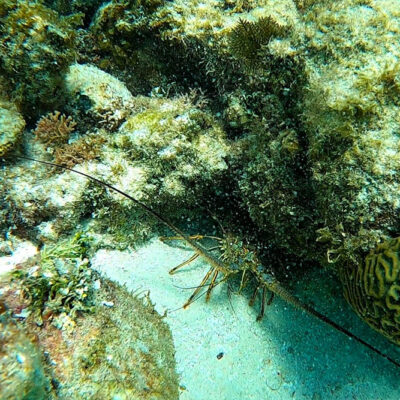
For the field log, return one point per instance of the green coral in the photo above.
(61, 285)
(37, 45)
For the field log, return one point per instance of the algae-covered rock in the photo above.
(65, 7)
(43, 206)
(118, 24)
(59, 286)
(275, 189)
(37, 45)
(185, 20)
(125, 39)
(21, 370)
(122, 351)
(168, 153)
(351, 110)
(98, 340)
(11, 126)
(108, 98)
(178, 146)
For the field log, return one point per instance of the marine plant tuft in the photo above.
(61, 285)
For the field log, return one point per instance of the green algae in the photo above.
(60, 286)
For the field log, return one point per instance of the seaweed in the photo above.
(60, 286)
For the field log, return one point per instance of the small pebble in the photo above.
(20, 358)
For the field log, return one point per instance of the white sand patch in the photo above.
(21, 253)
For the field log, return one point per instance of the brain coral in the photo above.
(373, 289)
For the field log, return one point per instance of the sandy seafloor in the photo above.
(289, 355)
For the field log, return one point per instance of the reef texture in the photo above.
(37, 45)
(21, 369)
(12, 125)
(124, 350)
(168, 152)
(96, 339)
(280, 119)
(352, 118)
(108, 99)
(373, 288)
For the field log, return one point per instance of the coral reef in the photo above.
(37, 45)
(40, 207)
(122, 349)
(54, 129)
(372, 288)
(168, 152)
(351, 113)
(280, 118)
(86, 148)
(276, 191)
(118, 24)
(248, 40)
(178, 146)
(65, 7)
(99, 94)
(54, 132)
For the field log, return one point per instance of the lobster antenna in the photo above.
(272, 284)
